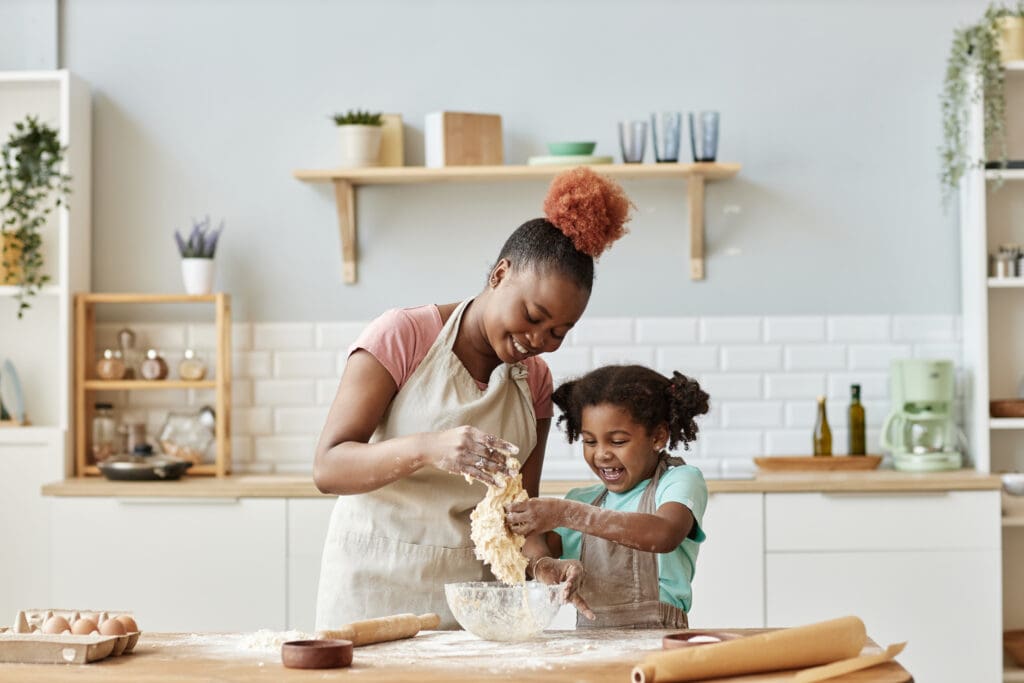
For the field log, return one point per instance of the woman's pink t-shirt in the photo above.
(400, 338)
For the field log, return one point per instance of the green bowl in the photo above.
(571, 148)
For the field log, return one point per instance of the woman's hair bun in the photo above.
(589, 208)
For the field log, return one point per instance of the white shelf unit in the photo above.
(39, 345)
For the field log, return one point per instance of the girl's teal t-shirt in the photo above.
(683, 484)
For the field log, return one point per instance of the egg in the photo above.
(83, 627)
(129, 624)
(56, 624)
(112, 627)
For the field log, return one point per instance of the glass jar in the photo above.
(188, 435)
(104, 432)
(110, 366)
(191, 367)
(154, 367)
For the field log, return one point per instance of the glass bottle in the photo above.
(154, 367)
(858, 440)
(126, 340)
(110, 366)
(104, 432)
(822, 432)
(191, 367)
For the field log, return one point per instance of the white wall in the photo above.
(28, 35)
(832, 107)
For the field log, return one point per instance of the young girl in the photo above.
(436, 391)
(636, 534)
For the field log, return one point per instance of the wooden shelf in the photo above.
(135, 384)
(1013, 520)
(85, 321)
(345, 180)
(1004, 174)
(1012, 673)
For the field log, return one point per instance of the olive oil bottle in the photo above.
(855, 414)
(822, 432)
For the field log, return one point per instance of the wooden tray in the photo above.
(41, 648)
(1006, 407)
(817, 463)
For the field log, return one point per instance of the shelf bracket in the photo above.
(345, 198)
(695, 195)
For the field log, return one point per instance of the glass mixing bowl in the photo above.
(492, 610)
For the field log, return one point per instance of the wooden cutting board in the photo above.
(817, 463)
(38, 648)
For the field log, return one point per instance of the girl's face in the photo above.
(529, 313)
(619, 450)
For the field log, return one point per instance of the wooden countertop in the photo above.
(598, 655)
(292, 486)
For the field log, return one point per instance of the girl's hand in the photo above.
(570, 572)
(535, 515)
(468, 451)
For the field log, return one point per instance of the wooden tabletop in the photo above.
(599, 655)
(295, 486)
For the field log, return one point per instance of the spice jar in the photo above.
(111, 366)
(191, 367)
(154, 367)
(104, 432)
(126, 340)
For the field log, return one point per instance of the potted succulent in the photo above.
(975, 59)
(32, 184)
(197, 254)
(360, 133)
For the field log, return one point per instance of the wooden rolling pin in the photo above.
(382, 629)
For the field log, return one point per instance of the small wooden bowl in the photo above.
(694, 638)
(1013, 642)
(316, 654)
(1006, 407)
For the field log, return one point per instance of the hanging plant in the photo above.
(31, 186)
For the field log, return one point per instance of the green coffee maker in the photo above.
(920, 431)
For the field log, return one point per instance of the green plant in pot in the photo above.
(974, 72)
(32, 185)
(360, 133)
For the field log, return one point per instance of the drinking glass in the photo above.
(704, 135)
(665, 127)
(632, 140)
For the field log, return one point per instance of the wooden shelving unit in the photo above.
(345, 180)
(86, 382)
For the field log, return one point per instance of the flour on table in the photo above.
(495, 544)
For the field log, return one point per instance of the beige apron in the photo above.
(621, 584)
(391, 551)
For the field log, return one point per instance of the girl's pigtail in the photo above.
(569, 420)
(686, 400)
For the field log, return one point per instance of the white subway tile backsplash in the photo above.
(203, 336)
(567, 362)
(666, 330)
(794, 329)
(709, 467)
(743, 358)
(689, 360)
(872, 384)
(281, 392)
(602, 331)
(859, 328)
(815, 357)
(877, 356)
(948, 351)
(241, 450)
(285, 449)
(252, 364)
(801, 413)
(623, 355)
(739, 468)
(278, 336)
(202, 397)
(875, 412)
(241, 336)
(728, 443)
(752, 414)
(721, 386)
(338, 336)
(252, 422)
(789, 442)
(241, 393)
(326, 390)
(730, 329)
(299, 420)
(925, 328)
(313, 364)
(162, 337)
(794, 385)
(165, 398)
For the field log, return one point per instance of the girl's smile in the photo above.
(619, 450)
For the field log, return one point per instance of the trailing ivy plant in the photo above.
(356, 117)
(974, 55)
(32, 185)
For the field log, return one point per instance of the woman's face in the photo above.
(529, 313)
(619, 450)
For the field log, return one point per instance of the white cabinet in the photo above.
(180, 565)
(308, 519)
(919, 567)
(728, 587)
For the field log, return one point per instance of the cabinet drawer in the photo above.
(933, 520)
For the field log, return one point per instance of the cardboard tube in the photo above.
(382, 629)
(791, 648)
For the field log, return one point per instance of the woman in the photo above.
(452, 389)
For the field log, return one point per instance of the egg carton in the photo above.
(26, 642)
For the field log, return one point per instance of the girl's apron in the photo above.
(391, 551)
(621, 584)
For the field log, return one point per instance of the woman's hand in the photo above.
(468, 451)
(570, 572)
(535, 515)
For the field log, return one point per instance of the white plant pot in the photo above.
(360, 145)
(197, 274)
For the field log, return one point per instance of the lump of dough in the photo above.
(495, 544)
